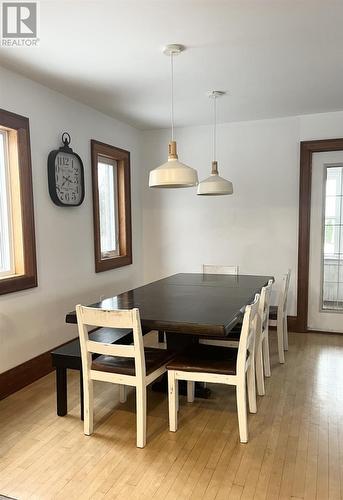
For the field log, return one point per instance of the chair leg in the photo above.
(279, 330)
(242, 413)
(88, 401)
(265, 353)
(141, 415)
(285, 334)
(122, 393)
(259, 370)
(190, 391)
(252, 388)
(173, 390)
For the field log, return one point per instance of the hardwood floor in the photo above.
(295, 448)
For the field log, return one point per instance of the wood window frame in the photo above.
(20, 159)
(307, 148)
(122, 158)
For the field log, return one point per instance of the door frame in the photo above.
(307, 148)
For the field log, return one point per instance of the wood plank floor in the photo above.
(295, 448)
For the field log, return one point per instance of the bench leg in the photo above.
(61, 391)
(161, 337)
(81, 396)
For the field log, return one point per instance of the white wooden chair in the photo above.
(278, 317)
(223, 366)
(262, 359)
(210, 269)
(127, 365)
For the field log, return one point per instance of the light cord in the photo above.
(172, 95)
(214, 128)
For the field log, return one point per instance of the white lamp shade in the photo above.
(173, 173)
(215, 186)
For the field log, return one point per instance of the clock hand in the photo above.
(67, 179)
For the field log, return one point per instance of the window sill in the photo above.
(113, 263)
(109, 255)
(16, 283)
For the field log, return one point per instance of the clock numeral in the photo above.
(63, 161)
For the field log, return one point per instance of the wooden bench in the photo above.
(68, 356)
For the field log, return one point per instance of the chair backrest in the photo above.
(264, 305)
(284, 292)
(246, 349)
(209, 269)
(95, 317)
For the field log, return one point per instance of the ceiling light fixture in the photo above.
(173, 173)
(215, 185)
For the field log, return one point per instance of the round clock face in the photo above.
(68, 179)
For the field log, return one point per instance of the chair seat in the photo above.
(206, 358)
(273, 312)
(154, 359)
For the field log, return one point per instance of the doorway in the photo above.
(320, 253)
(325, 301)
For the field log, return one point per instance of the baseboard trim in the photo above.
(324, 332)
(291, 324)
(22, 375)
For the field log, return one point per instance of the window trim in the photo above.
(122, 158)
(28, 278)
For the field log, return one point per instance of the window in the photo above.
(6, 236)
(333, 240)
(17, 236)
(108, 207)
(111, 206)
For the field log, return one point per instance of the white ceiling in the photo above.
(275, 57)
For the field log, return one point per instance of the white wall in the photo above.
(173, 230)
(257, 227)
(32, 321)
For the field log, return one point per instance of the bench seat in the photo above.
(68, 356)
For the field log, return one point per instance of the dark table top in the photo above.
(196, 304)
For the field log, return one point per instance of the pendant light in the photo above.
(173, 173)
(215, 185)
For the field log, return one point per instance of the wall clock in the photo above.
(66, 175)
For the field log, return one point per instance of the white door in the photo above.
(325, 310)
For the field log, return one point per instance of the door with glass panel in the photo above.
(325, 310)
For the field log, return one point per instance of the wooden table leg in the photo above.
(179, 342)
(61, 391)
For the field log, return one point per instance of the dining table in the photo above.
(193, 304)
(187, 306)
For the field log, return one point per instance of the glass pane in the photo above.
(108, 208)
(332, 209)
(6, 258)
(333, 240)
